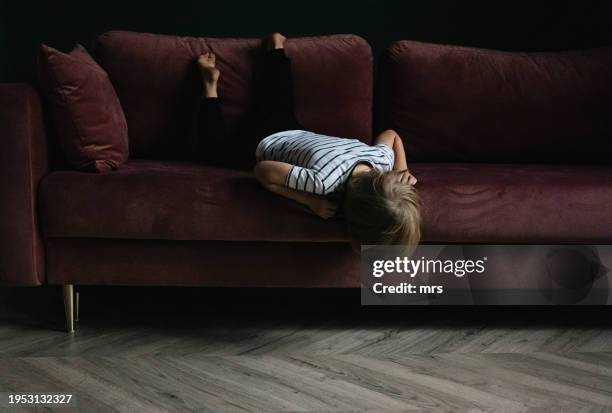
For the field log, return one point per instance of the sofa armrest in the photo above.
(23, 161)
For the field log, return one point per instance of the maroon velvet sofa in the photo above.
(508, 148)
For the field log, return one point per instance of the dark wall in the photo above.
(509, 25)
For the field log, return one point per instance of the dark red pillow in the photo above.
(90, 121)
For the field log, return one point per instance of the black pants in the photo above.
(273, 112)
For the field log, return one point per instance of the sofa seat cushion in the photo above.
(172, 200)
(462, 203)
(498, 203)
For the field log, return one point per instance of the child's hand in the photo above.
(323, 207)
(406, 177)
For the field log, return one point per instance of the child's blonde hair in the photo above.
(382, 210)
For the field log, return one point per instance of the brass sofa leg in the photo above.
(76, 305)
(68, 290)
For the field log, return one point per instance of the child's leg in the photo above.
(274, 100)
(212, 137)
(211, 128)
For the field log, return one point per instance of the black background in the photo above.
(507, 25)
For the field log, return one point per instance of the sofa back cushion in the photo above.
(462, 104)
(157, 82)
(91, 127)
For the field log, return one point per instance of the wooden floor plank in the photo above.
(132, 358)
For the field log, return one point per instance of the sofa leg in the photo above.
(76, 305)
(68, 290)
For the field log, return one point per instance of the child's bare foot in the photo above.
(276, 41)
(210, 74)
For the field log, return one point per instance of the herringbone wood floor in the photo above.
(175, 350)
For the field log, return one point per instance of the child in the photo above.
(380, 202)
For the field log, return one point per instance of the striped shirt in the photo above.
(321, 164)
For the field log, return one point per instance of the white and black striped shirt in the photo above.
(321, 164)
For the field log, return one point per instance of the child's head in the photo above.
(382, 210)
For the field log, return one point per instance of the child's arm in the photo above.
(273, 176)
(394, 141)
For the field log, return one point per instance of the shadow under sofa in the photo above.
(508, 148)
